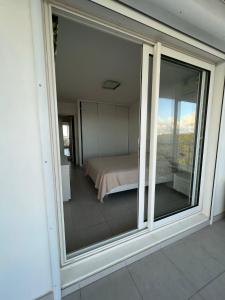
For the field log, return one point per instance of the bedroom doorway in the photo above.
(69, 146)
(99, 78)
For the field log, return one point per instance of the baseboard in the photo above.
(76, 286)
(48, 296)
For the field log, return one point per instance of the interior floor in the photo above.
(88, 221)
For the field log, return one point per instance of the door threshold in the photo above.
(90, 269)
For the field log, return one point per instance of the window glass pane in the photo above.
(180, 128)
(98, 135)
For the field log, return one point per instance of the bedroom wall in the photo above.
(133, 127)
(104, 129)
(24, 251)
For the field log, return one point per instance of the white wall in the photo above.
(219, 185)
(24, 253)
(133, 127)
(104, 129)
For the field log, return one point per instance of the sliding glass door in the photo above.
(180, 136)
(177, 127)
(106, 95)
(138, 115)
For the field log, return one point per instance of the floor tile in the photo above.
(215, 290)
(74, 296)
(219, 227)
(85, 216)
(84, 237)
(158, 279)
(120, 225)
(196, 297)
(117, 286)
(193, 260)
(211, 241)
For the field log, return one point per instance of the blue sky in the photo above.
(166, 108)
(186, 117)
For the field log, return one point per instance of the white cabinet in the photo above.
(104, 129)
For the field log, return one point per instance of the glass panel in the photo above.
(180, 129)
(100, 186)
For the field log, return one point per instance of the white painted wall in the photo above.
(104, 129)
(133, 127)
(24, 251)
(219, 185)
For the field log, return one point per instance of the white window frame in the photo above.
(146, 51)
(179, 56)
(67, 262)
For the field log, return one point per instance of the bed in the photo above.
(118, 173)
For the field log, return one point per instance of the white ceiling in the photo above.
(87, 57)
(202, 19)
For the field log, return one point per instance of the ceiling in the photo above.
(201, 19)
(86, 57)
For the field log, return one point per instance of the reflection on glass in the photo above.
(181, 111)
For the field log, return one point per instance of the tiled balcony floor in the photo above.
(192, 268)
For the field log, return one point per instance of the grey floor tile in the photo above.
(84, 237)
(85, 211)
(219, 227)
(158, 279)
(196, 297)
(215, 290)
(193, 260)
(212, 241)
(117, 286)
(84, 216)
(120, 225)
(74, 296)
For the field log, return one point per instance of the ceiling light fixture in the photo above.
(110, 84)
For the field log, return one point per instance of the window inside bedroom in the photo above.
(98, 85)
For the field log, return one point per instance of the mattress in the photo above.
(111, 172)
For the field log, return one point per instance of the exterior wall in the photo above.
(219, 185)
(24, 255)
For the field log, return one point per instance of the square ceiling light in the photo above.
(110, 84)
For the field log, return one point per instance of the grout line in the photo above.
(208, 283)
(135, 284)
(176, 267)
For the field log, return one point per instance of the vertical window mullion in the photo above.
(153, 133)
(143, 129)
